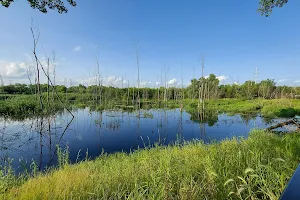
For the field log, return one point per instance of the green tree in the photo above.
(266, 6)
(213, 86)
(249, 89)
(266, 88)
(44, 5)
(61, 88)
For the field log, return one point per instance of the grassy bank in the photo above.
(255, 168)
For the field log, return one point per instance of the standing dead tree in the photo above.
(158, 87)
(54, 74)
(193, 92)
(138, 69)
(29, 75)
(48, 82)
(38, 86)
(39, 66)
(1, 81)
(98, 80)
(182, 90)
(128, 92)
(166, 85)
(201, 90)
(1, 84)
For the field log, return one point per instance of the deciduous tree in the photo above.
(44, 5)
(266, 6)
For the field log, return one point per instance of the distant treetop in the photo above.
(43, 5)
(266, 6)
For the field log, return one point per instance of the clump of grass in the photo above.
(268, 108)
(148, 115)
(287, 112)
(22, 106)
(255, 168)
(281, 108)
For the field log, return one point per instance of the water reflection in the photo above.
(37, 138)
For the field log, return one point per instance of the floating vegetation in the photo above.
(113, 124)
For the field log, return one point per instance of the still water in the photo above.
(91, 133)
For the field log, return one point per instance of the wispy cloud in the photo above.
(145, 83)
(113, 81)
(77, 48)
(283, 80)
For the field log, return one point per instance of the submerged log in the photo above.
(292, 121)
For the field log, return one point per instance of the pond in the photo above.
(91, 133)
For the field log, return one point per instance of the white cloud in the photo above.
(298, 81)
(113, 81)
(172, 82)
(109, 81)
(77, 48)
(157, 83)
(13, 70)
(222, 78)
(145, 83)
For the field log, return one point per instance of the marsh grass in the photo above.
(255, 168)
(22, 106)
(268, 108)
(27, 105)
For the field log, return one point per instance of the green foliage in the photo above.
(210, 84)
(208, 116)
(43, 5)
(266, 6)
(280, 108)
(62, 157)
(22, 106)
(267, 88)
(212, 90)
(268, 108)
(255, 168)
(288, 112)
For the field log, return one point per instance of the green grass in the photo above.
(27, 105)
(255, 168)
(268, 108)
(281, 108)
(22, 106)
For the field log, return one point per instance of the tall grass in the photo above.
(255, 168)
(22, 106)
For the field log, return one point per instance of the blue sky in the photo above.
(231, 35)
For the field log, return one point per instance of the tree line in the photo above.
(201, 89)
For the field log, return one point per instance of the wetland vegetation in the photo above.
(97, 139)
(257, 168)
(158, 149)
